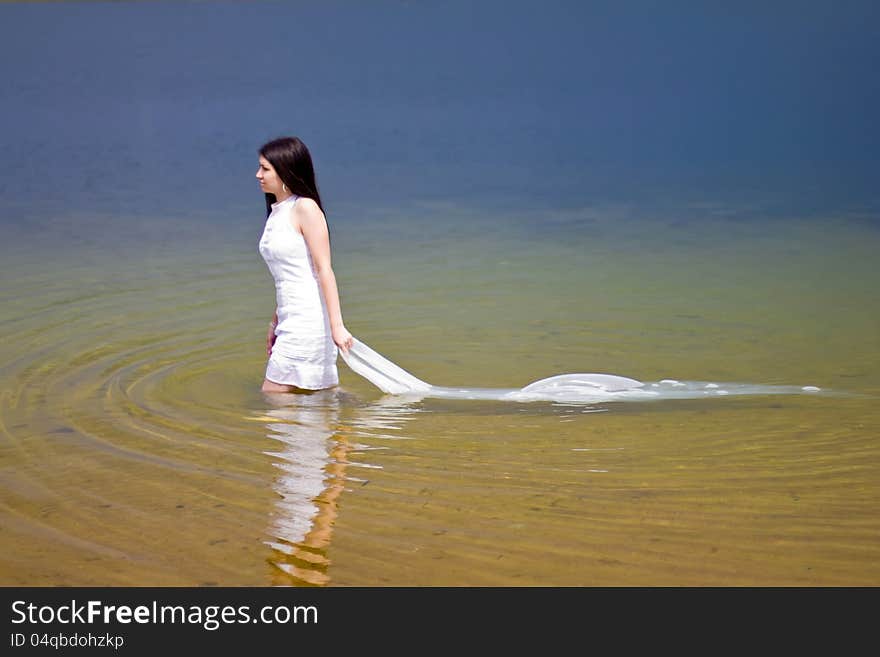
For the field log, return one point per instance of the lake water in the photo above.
(138, 450)
(481, 238)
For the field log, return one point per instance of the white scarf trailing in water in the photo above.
(569, 388)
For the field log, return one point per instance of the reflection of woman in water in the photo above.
(311, 459)
(307, 326)
(313, 436)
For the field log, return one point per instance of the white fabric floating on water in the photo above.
(380, 371)
(587, 387)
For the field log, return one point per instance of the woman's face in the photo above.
(269, 180)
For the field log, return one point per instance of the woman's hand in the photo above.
(342, 338)
(270, 338)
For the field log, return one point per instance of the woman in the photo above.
(306, 329)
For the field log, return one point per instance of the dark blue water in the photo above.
(158, 108)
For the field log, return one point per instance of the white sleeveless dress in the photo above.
(304, 354)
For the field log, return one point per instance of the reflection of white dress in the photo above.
(304, 354)
(305, 432)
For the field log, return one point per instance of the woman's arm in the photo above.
(313, 225)
(270, 335)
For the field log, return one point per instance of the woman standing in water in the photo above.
(306, 329)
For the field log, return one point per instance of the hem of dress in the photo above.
(301, 387)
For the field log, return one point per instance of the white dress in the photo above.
(304, 354)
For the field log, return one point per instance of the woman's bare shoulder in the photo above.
(306, 213)
(307, 205)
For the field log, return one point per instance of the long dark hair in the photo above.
(292, 161)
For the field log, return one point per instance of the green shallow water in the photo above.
(136, 448)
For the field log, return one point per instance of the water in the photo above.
(138, 449)
(500, 213)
